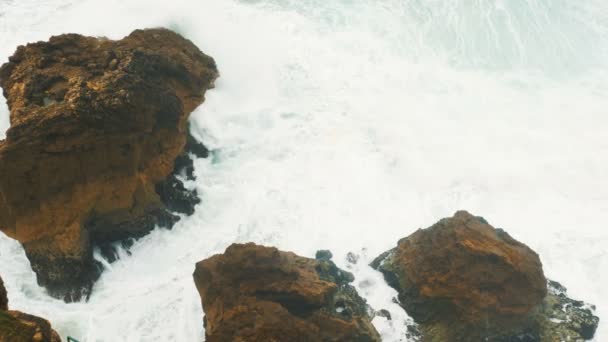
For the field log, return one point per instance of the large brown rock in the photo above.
(16, 326)
(96, 126)
(462, 279)
(256, 293)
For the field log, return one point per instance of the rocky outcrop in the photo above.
(462, 277)
(463, 280)
(256, 293)
(16, 326)
(560, 318)
(96, 128)
(3, 296)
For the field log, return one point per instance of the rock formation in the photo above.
(463, 280)
(3, 296)
(560, 318)
(256, 293)
(96, 127)
(16, 326)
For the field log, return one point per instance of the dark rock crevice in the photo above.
(175, 197)
(296, 305)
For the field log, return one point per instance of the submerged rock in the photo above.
(463, 280)
(96, 127)
(16, 326)
(256, 293)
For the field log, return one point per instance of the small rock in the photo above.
(323, 255)
(352, 258)
(384, 313)
(565, 319)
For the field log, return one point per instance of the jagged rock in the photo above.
(560, 318)
(256, 293)
(96, 126)
(383, 313)
(462, 280)
(16, 326)
(3, 296)
(324, 254)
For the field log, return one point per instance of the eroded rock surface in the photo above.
(464, 280)
(16, 326)
(256, 293)
(461, 274)
(96, 127)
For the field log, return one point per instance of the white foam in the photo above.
(346, 125)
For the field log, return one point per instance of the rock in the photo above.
(383, 313)
(16, 326)
(561, 318)
(557, 318)
(176, 197)
(412, 332)
(3, 296)
(256, 293)
(96, 127)
(324, 255)
(461, 279)
(352, 258)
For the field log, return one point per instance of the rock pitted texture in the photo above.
(16, 326)
(462, 279)
(96, 126)
(256, 293)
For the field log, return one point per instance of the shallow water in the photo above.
(348, 124)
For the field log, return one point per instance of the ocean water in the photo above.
(348, 124)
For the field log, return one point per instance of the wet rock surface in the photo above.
(16, 326)
(257, 293)
(3, 296)
(464, 280)
(561, 318)
(90, 157)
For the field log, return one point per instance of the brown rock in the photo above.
(96, 126)
(462, 279)
(256, 293)
(16, 326)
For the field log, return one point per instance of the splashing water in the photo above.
(348, 124)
